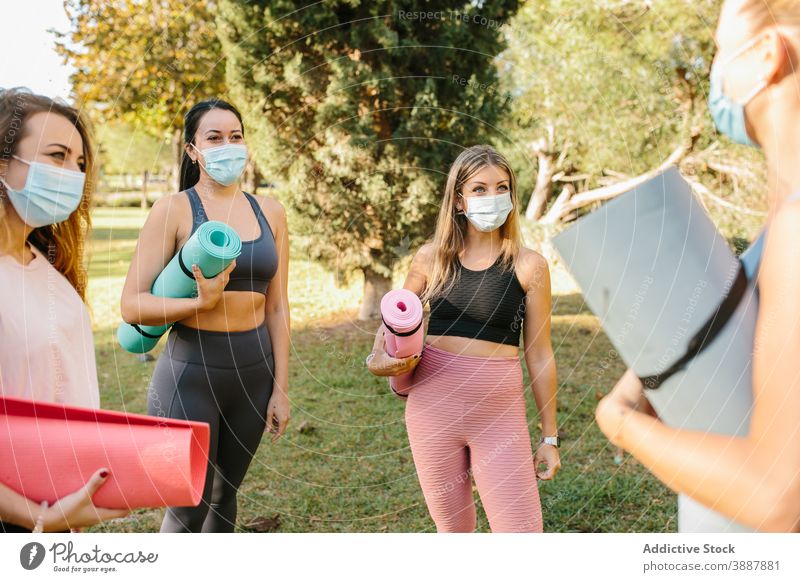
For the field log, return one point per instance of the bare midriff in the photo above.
(236, 311)
(472, 347)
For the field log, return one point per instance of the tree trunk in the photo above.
(544, 185)
(145, 181)
(375, 287)
(252, 177)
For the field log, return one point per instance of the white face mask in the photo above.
(487, 213)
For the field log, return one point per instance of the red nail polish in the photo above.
(104, 474)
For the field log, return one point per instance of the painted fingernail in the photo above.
(104, 474)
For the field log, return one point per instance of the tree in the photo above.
(143, 63)
(608, 91)
(360, 107)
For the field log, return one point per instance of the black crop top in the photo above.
(258, 262)
(487, 304)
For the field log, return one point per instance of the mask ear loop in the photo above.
(197, 161)
(461, 212)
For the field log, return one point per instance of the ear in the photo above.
(191, 152)
(775, 55)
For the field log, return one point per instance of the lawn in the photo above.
(344, 464)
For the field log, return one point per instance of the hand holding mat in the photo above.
(50, 450)
(678, 306)
(401, 311)
(213, 246)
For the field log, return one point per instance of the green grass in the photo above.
(344, 464)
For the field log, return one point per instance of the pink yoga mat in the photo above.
(401, 311)
(50, 450)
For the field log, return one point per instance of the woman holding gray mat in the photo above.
(465, 408)
(225, 362)
(754, 479)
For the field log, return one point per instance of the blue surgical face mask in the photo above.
(487, 213)
(729, 116)
(225, 163)
(49, 196)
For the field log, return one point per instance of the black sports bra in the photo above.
(487, 304)
(258, 262)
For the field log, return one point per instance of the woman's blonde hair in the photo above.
(451, 226)
(62, 243)
(771, 12)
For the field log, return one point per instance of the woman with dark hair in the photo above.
(225, 362)
(46, 344)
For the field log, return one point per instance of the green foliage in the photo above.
(613, 78)
(129, 150)
(143, 62)
(360, 107)
(623, 83)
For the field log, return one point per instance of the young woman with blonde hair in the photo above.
(465, 410)
(755, 480)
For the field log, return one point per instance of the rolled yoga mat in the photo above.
(401, 311)
(213, 246)
(50, 450)
(677, 305)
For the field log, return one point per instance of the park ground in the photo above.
(344, 464)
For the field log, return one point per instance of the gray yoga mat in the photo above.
(653, 267)
(213, 246)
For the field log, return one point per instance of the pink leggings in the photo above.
(466, 415)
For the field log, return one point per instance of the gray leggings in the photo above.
(224, 379)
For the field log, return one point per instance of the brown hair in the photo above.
(448, 239)
(61, 243)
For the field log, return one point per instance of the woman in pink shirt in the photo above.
(46, 347)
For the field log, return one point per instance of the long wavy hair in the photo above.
(451, 226)
(63, 243)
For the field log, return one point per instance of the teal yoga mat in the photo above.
(213, 246)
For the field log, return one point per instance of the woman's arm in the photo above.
(382, 364)
(75, 510)
(17, 509)
(155, 248)
(539, 351)
(279, 326)
(755, 479)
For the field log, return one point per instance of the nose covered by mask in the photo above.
(225, 163)
(487, 213)
(729, 116)
(50, 194)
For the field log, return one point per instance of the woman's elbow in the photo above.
(129, 310)
(783, 512)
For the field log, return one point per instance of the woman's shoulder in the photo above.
(272, 208)
(531, 268)
(167, 203)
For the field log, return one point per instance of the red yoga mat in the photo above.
(50, 450)
(402, 311)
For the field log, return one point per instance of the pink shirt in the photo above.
(46, 343)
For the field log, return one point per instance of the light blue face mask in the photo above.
(225, 163)
(487, 213)
(729, 115)
(49, 196)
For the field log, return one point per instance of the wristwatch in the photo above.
(550, 440)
